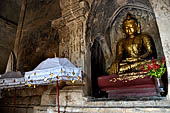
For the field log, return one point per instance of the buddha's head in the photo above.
(130, 25)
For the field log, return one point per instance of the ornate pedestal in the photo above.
(128, 86)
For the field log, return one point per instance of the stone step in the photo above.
(100, 110)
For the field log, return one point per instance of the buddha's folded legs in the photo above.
(133, 66)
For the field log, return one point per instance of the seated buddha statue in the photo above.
(133, 51)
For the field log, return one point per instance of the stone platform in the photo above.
(128, 86)
(43, 100)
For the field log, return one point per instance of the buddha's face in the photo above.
(130, 27)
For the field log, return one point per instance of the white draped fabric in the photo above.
(47, 72)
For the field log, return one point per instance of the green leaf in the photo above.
(159, 75)
(164, 70)
(162, 65)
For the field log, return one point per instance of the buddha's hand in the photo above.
(113, 69)
(132, 59)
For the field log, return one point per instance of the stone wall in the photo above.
(23, 100)
(36, 40)
(71, 28)
(42, 99)
(66, 37)
(10, 10)
(162, 9)
(7, 38)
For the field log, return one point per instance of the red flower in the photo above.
(163, 59)
(153, 60)
(156, 66)
(149, 67)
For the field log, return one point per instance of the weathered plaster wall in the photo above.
(7, 38)
(10, 10)
(162, 13)
(67, 40)
(36, 39)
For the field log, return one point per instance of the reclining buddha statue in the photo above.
(133, 51)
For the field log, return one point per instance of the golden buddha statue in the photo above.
(132, 51)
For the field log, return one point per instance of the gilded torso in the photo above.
(133, 46)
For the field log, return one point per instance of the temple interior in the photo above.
(117, 53)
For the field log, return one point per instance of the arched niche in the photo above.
(104, 30)
(145, 18)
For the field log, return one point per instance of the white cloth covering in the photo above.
(53, 69)
(48, 71)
